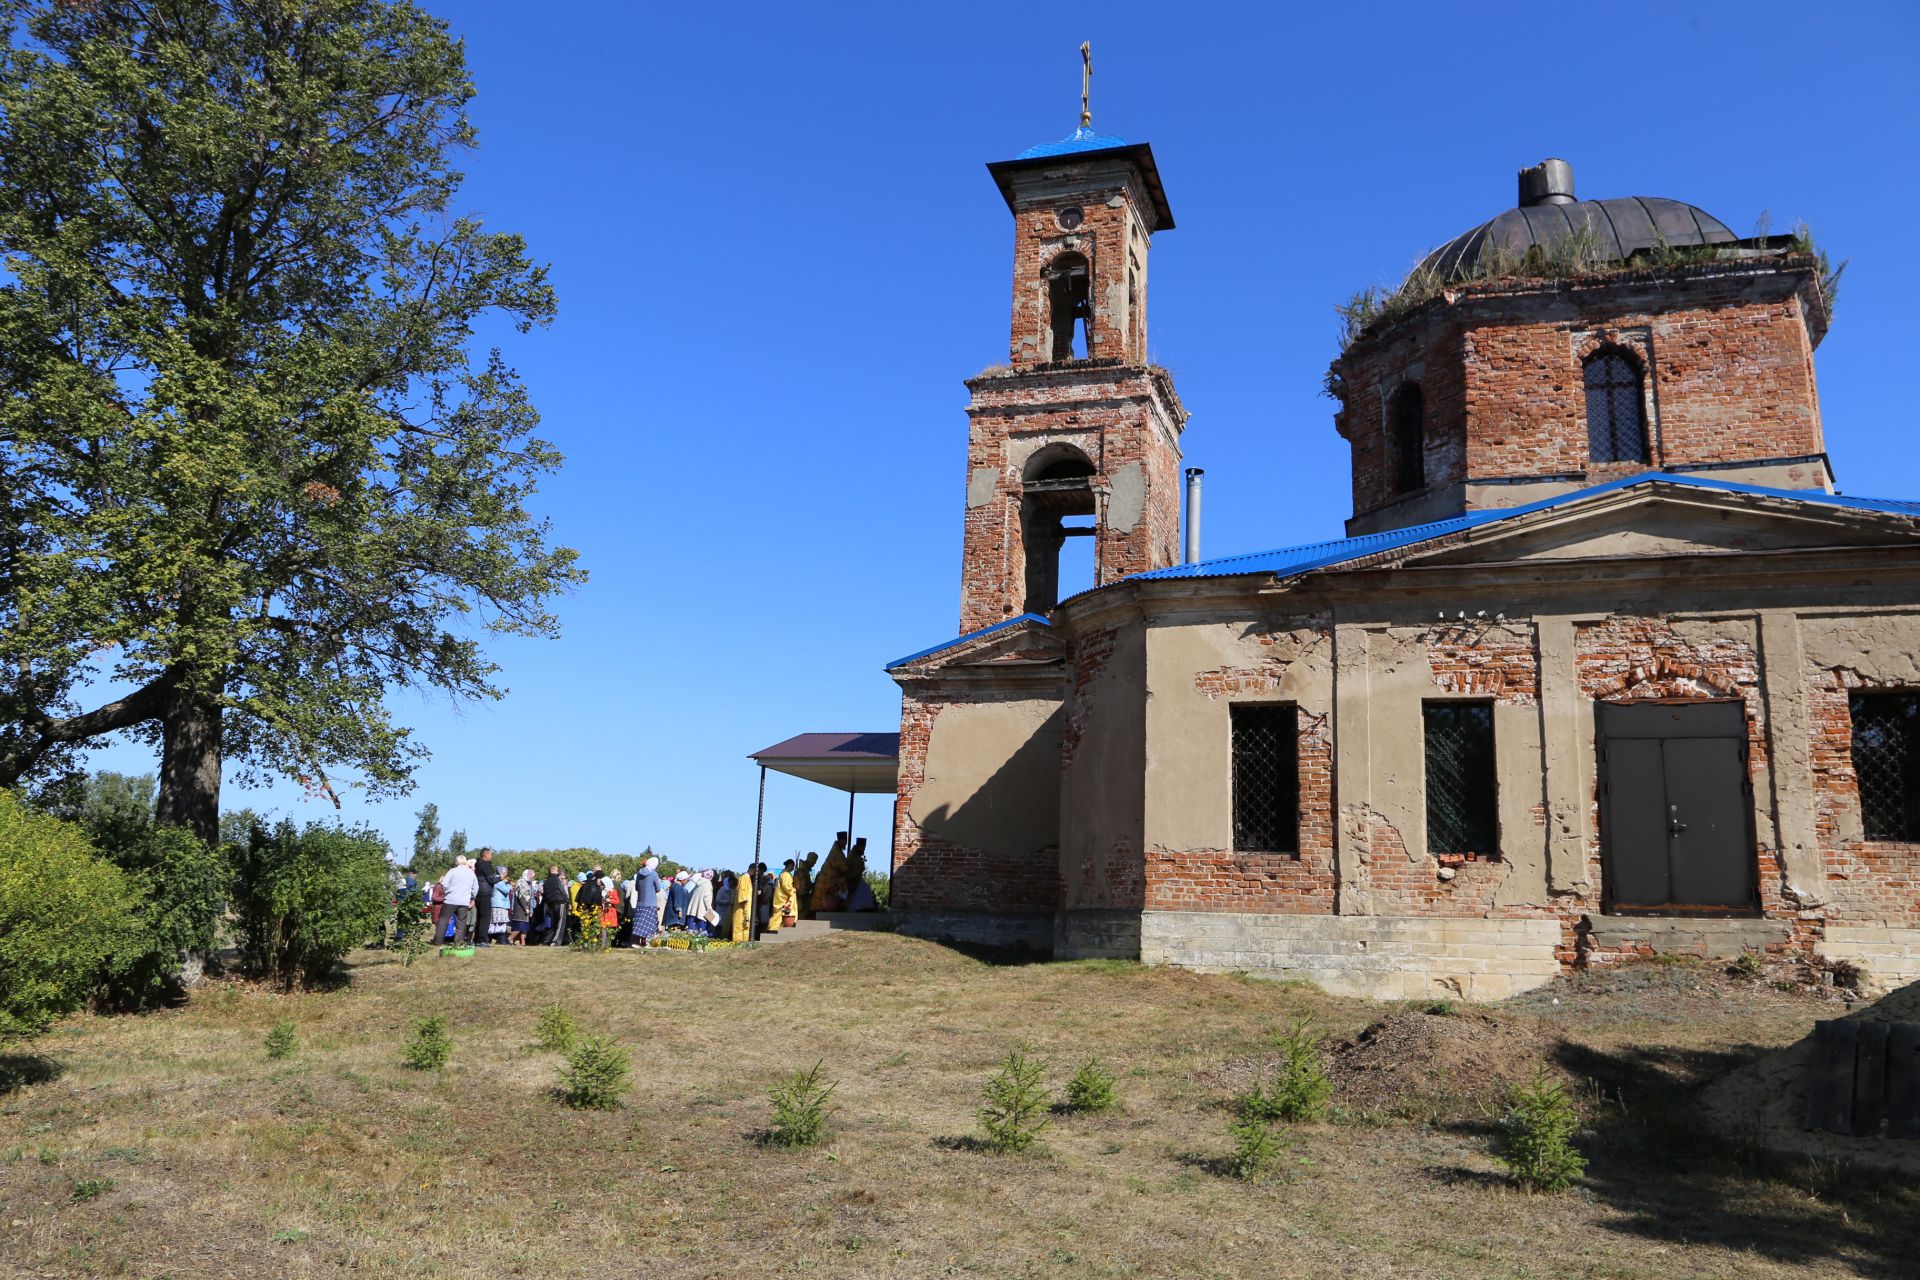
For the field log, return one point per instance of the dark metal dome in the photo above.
(1548, 213)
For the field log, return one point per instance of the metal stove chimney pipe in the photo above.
(1193, 514)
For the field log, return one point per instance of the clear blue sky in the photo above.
(778, 253)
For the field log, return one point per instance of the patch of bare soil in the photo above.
(1414, 1062)
(1764, 1103)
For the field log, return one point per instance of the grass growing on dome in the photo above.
(1578, 254)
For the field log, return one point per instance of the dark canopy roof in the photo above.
(859, 762)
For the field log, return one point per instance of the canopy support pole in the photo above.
(850, 796)
(753, 877)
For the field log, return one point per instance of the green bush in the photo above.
(64, 912)
(596, 1074)
(1298, 1086)
(800, 1109)
(302, 899)
(555, 1030)
(430, 1045)
(1536, 1135)
(1015, 1102)
(281, 1041)
(1256, 1148)
(1091, 1089)
(181, 894)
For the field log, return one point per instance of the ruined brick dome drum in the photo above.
(1548, 214)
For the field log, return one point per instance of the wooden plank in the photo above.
(1870, 1080)
(1830, 1076)
(1903, 1080)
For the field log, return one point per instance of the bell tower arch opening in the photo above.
(1070, 306)
(1057, 487)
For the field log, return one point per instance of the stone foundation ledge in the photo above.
(1033, 932)
(1887, 957)
(1373, 957)
(1708, 938)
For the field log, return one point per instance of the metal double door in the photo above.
(1676, 808)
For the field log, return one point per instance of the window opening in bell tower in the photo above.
(1058, 488)
(1070, 307)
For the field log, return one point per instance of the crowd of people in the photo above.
(480, 903)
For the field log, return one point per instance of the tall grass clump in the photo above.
(1536, 1135)
(1091, 1090)
(596, 1074)
(1297, 1087)
(430, 1045)
(281, 1041)
(1015, 1102)
(554, 1031)
(800, 1109)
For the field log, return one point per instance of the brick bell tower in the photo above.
(1078, 423)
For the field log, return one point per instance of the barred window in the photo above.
(1462, 796)
(1886, 760)
(1266, 777)
(1616, 408)
(1409, 438)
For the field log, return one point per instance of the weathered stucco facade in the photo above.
(1068, 777)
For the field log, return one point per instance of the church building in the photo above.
(1604, 665)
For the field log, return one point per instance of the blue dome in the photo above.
(1081, 139)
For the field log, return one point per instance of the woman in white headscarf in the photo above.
(701, 917)
(646, 911)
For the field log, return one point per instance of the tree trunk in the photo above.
(190, 761)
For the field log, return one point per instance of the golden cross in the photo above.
(1086, 83)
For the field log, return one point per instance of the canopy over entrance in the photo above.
(857, 763)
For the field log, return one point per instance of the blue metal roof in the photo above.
(1289, 561)
(1081, 139)
(1319, 555)
(971, 635)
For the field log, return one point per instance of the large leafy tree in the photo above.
(249, 466)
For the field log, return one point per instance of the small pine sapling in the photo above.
(1091, 1090)
(1298, 1086)
(430, 1045)
(1536, 1135)
(596, 1073)
(1257, 1147)
(281, 1040)
(800, 1109)
(555, 1031)
(1015, 1102)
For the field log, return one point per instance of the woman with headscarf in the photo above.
(676, 917)
(646, 912)
(701, 917)
(520, 908)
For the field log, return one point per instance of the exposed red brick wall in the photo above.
(1223, 880)
(1116, 415)
(1868, 882)
(1729, 351)
(1108, 235)
(1479, 660)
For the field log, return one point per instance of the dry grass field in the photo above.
(169, 1145)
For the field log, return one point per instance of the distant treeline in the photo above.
(431, 866)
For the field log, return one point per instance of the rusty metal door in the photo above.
(1676, 808)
